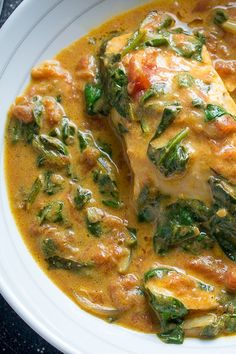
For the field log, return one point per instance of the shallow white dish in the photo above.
(36, 31)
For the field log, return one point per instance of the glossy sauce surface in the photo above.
(109, 282)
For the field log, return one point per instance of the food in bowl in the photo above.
(120, 169)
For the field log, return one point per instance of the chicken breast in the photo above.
(173, 91)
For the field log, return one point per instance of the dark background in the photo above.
(15, 335)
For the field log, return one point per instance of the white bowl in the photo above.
(38, 30)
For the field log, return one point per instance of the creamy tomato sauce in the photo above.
(140, 237)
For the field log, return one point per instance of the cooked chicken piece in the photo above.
(190, 291)
(172, 71)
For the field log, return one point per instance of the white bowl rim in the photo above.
(20, 301)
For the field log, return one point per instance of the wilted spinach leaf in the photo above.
(82, 197)
(148, 204)
(213, 112)
(57, 262)
(172, 158)
(168, 116)
(183, 224)
(93, 94)
(220, 17)
(52, 213)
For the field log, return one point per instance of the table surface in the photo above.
(15, 335)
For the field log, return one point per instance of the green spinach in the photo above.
(49, 247)
(94, 221)
(188, 46)
(108, 188)
(20, 131)
(52, 150)
(168, 309)
(220, 17)
(223, 228)
(183, 224)
(213, 112)
(148, 204)
(117, 93)
(185, 80)
(52, 183)
(57, 262)
(198, 102)
(155, 90)
(52, 213)
(173, 157)
(68, 130)
(38, 109)
(134, 42)
(34, 191)
(223, 192)
(94, 97)
(169, 115)
(224, 231)
(82, 197)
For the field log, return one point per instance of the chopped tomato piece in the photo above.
(225, 125)
(230, 280)
(137, 76)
